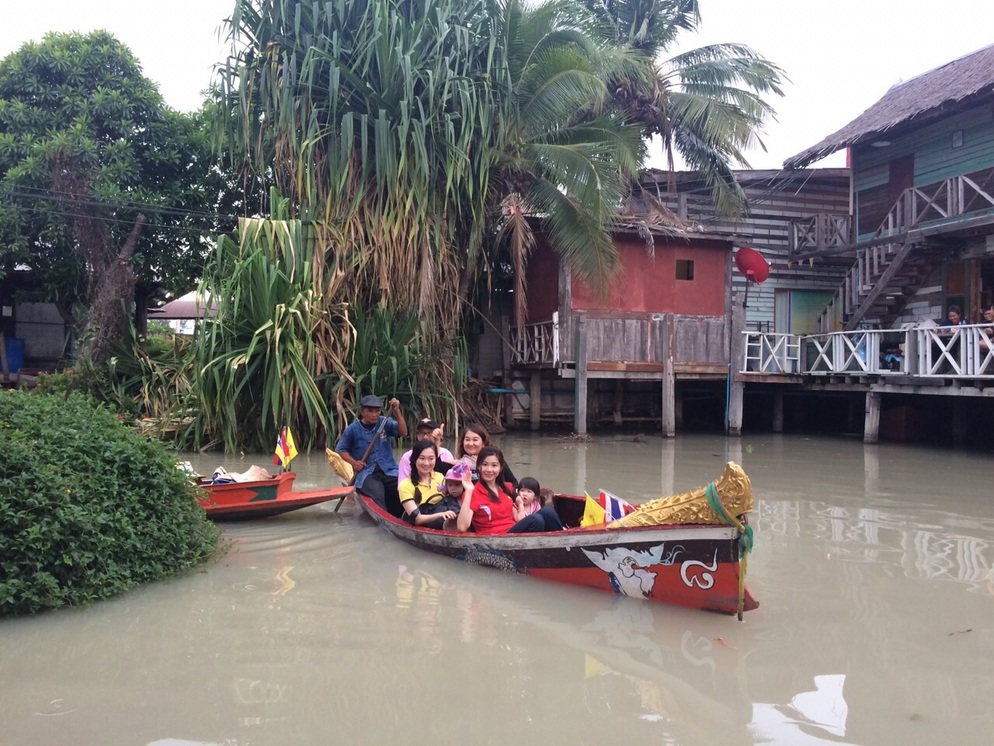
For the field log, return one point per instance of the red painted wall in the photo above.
(542, 278)
(649, 285)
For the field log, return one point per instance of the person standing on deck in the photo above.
(375, 467)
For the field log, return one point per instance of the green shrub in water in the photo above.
(88, 507)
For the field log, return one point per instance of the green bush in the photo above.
(88, 508)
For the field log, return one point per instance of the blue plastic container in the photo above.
(15, 354)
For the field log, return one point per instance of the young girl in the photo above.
(424, 481)
(527, 501)
(531, 513)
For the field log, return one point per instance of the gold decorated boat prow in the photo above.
(734, 492)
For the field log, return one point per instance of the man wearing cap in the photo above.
(376, 476)
(427, 430)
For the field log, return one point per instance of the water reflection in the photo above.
(876, 623)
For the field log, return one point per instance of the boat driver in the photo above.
(365, 444)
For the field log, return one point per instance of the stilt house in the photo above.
(920, 237)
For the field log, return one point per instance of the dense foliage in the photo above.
(88, 508)
(90, 157)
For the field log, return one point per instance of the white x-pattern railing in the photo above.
(772, 353)
(965, 352)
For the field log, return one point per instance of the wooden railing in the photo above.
(942, 200)
(772, 353)
(818, 234)
(537, 345)
(962, 352)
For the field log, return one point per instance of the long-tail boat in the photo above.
(262, 498)
(689, 549)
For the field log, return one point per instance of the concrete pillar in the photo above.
(871, 426)
(580, 390)
(535, 400)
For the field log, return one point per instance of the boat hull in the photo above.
(238, 501)
(694, 566)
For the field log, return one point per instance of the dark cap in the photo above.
(371, 402)
(426, 424)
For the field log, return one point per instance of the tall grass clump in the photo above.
(88, 507)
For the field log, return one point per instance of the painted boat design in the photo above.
(693, 565)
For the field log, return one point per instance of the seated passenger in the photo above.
(987, 333)
(488, 507)
(423, 482)
(530, 513)
(426, 430)
(474, 438)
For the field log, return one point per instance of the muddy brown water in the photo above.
(873, 567)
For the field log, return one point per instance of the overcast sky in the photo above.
(841, 56)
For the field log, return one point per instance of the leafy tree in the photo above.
(101, 184)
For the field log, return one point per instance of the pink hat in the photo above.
(457, 473)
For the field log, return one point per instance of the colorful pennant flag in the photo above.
(605, 509)
(286, 450)
(593, 514)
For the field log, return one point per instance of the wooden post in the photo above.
(535, 400)
(580, 390)
(736, 356)
(669, 397)
(619, 398)
(778, 412)
(506, 361)
(871, 427)
(959, 421)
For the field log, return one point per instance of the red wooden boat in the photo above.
(687, 565)
(263, 498)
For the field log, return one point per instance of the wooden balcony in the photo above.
(818, 235)
(934, 354)
(537, 345)
(938, 207)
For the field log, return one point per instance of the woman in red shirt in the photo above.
(489, 506)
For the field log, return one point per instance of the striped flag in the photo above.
(615, 507)
(286, 450)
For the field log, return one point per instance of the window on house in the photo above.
(685, 269)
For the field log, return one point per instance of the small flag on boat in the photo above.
(615, 508)
(286, 450)
(593, 513)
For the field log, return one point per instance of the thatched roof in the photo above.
(919, 99)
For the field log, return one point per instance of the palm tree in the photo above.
(707, 105)
(564, 159)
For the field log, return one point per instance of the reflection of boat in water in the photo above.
(262, 498)
(631, 660)
(691, 564)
